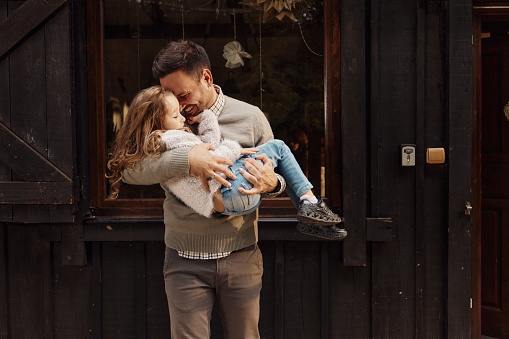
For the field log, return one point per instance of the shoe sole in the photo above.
(302, 228)
(317, 222)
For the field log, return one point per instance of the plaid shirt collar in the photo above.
(218, 106)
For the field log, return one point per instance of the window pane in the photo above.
(284, 76)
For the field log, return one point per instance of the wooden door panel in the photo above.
(490, 293)
(25, 19)
(495, 188)
(36, 162)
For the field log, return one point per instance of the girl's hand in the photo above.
(250, 150)
(191, 120)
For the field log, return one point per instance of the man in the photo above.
(209, 260)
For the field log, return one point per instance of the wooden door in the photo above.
(35, 124)
(495, 187)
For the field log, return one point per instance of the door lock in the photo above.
(407, 155)
(468, 208)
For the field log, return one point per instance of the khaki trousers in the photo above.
(234, 283)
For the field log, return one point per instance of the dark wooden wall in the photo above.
(404, 78)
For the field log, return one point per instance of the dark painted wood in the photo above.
(73, 244)
(96, 291)
(495, 186)
(158, 321)
(25, 282)
(29, 213)
(118, 280)
(415, 88)
(28, 117)
(393, 111)
(79, 119)
(420, 115)
(350, 297)
(5, 114)
(28, 164)
(324, 291)
(353, 119)
(430, 189)
(379, 229)
(332, 86)
(48, 289)
(58, 91)
(4, 311)
(279, 278)
(24, 20)
(72, 305)
(18, 192)
(459, 23)
(141, 292)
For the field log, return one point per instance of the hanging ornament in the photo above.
(277, 8)
(233, 51)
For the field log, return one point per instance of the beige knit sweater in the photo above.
(186, 230)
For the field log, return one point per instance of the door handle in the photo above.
(468, 208)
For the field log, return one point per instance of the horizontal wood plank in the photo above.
(15, 192)
(25, 19)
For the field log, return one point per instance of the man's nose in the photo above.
(181, 106)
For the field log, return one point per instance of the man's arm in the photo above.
(196, 161)
(157, 170)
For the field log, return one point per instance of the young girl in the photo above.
(154, 124)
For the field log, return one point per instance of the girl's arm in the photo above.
(228, 149)
(208, 129)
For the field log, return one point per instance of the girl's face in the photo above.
(173, 119)
(193, 96)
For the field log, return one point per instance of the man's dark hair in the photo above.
(182, 55)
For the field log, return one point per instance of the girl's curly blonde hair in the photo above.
(139, 136)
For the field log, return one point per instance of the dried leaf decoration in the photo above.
(233, 53)
(277, 8)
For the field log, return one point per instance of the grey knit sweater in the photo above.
(186, 230)
(188, 188)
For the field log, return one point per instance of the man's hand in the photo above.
(204, 165)
(261, 176)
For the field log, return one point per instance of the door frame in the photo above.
(480, 13)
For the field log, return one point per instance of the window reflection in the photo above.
(284, 75)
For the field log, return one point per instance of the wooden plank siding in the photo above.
(459, 123)
(409, 106)
(354, 128)
(5, 116)
(403, 77)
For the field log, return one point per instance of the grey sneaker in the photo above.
(325, 232)
(318, 214)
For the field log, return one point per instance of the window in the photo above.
(284, 76)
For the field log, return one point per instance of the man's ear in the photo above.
(207, 77)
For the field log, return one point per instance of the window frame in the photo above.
(270, 207)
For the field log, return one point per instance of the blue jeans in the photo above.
(236, 203)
